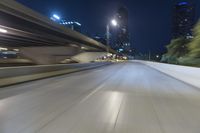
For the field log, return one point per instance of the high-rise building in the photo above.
(122, 38)
(183, 19)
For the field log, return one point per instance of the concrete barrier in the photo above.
(189, 75)
(14, 75)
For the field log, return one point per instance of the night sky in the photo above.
(149, 20)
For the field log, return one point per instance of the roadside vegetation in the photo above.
(183, 50)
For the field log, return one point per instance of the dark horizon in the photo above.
(150, 22)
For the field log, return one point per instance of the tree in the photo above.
(175, 50)
(193, 56)
(194, 46)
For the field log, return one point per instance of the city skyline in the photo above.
(150, 24)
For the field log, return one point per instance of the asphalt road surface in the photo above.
(122, 98)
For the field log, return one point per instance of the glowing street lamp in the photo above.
(113, 23)
(56, 17)
(3, 30)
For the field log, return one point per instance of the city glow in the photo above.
(120, 50)
(3, 30)
(114, 22)
(56, 16)
(83, 47)
(3, 49)
(17, 50)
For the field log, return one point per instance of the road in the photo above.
(121, 98)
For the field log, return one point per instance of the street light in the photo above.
(3, 30)
(56, 17)
(113, 23)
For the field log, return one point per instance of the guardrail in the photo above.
(14, 75)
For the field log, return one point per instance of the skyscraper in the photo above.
(122, 39)
(183, 19)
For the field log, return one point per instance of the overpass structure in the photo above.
(43, 41)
